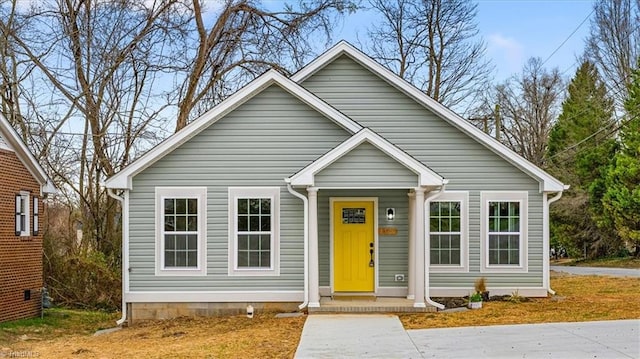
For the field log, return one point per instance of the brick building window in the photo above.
(22, 214)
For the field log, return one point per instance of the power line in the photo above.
(568, 37)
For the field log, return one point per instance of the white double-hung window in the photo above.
(447, 232)
(254, 226)
(504, 231)
(180, 230)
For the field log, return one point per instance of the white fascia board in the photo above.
(426, 176)
(548, 182)
(123, 179)
(14, 141)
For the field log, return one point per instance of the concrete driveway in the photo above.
(615, 272)
(382, 336)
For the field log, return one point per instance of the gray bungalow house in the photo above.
(343, 179)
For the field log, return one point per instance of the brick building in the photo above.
(23, 186)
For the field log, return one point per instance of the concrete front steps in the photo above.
(368, 305)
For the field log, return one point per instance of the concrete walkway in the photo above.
(382, 336)
(355, 336)
(614, 272)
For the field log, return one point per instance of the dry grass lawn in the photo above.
(617, 262)
(578, 298)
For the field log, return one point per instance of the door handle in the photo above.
(371, 262)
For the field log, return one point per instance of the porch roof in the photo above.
(426, 176)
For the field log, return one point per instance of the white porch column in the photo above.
(412, 248)
(314, 276)
(418, 221)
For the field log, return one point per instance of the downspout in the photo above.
(305, 202)
(124, 303)
(555, 198)
(427, 260)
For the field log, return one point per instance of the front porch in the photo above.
(368, 305)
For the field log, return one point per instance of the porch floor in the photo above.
(368, 305)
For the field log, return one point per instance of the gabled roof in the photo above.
(122, 180)
(547, 182)
(426, 176)
(13, 140)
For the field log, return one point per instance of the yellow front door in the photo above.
(353, 246)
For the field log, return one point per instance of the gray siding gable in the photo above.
(366, 166)
(261, 142)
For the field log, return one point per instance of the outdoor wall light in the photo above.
(391, 214)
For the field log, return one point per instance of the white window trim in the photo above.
(26, 211)
(254, 192)
(199, 193)
(504, 196)
(463, 198)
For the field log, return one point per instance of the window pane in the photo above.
(254, 242)
(514, 255)
(514, 242)
(254, 259)
(192, 260)
(169, 242)
(503, 242)
(181, 259)
(493, 256)
(435, 258)
(243, 207)
(504, 224)
(193, 206)
(433, 225)
(433, 209)
(455, 209)
(503, 257)
(455, 224)
(265, 259)
(455, 242)
(514, 224)
(455, 256)
(492, 224)
(243, 242)
(444, 209)
(181, 223)
(435, 243)
(514, 209)
(254, 223)
(169, 259)
(265, 244)
(493, 209)
(243, 223)
(254, 206)
(493, 241)
(243, 259)
(181, 242)
(444, 225)
(265, 223)
(168, 206)
(266, 206)
(504, 209)
(181, 206)
(169, 223)
(192, 241)
(192, 224)
(445, 257)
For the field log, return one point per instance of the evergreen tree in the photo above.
(621, 199)
(579, 148)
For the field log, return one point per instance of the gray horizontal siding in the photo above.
(366, 166)
(268, 138)
(392, 250)
(467, 164)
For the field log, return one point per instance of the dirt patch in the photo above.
(264, 336)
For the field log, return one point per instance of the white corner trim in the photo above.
(463, 198)
(199, 193)
(426, 176)
(548, 182)
(213, 297)
(273, 193)
(123, 179)
(504, 196)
